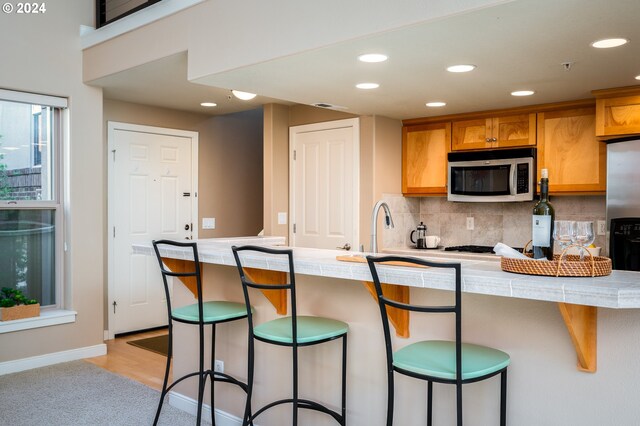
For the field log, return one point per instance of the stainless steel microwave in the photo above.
(500, 175)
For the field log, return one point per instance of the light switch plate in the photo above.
(208, 223)
(282, 218)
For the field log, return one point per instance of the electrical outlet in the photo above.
(469, 224)
(602, 227)
(282, 218)
(218, 366)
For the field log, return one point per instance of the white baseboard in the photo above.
(17, 365)
(190, 405)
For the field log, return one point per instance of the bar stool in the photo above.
(451, 362)
(200, 314)
(293, 331)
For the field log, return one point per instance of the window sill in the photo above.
(46, 319)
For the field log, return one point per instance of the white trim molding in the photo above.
(23, 364)
(190, 405)
(90, 37)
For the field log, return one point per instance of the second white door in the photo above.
(324, 184)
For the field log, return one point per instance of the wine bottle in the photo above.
(543, 216)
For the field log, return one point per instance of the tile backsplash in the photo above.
(509, 223)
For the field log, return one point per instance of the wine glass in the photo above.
(583, 236)
(563, 232)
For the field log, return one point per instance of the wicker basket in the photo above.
(562, 265)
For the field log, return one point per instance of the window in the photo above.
(30, 195)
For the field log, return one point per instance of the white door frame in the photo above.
(354, 124)
(112, 127)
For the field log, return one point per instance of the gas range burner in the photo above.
(471, 249)
(474, 249)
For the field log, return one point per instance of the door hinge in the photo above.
(113, 151)
(294, 228)
(294, 154)
(114, 306)
(114, 232)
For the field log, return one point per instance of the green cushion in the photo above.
(310, 329)
(213, 311)
(437, 358)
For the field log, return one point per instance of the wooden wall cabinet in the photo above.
(569, 149)
(424, 158)
(494, 132)
(617, 112)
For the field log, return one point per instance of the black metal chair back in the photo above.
(248, 283)
(196, 273)
(385, 302)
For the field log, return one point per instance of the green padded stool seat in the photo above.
(214, 311)
(294, 331)
(310, 329)
(437, 358)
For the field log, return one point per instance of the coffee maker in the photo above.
(421, 237)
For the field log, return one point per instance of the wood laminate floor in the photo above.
(135, 363)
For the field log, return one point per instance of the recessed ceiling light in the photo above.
(208, 104)
(245, 96)
(461, 68)
(637, 77)
(609, 42)
(522, 93)
(367, 86)
(435, 104)
(373, 57)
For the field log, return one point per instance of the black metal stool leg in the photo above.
(503, 398)
(429, 403)
(459, 403)
(390, 395)
(201, 376)
(247, 407)
(213, 369)
(295, 385)
(344, 380)
(166, 374)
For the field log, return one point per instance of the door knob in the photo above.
(187, 227)
(346, 247)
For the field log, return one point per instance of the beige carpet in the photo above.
(79, 393)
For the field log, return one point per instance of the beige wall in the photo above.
(230, 162)
(30, 63)
(204, 30)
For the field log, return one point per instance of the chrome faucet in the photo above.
(388, 223)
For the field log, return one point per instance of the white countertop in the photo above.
(621, 289)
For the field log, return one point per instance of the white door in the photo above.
(152, 195)
(324, 184)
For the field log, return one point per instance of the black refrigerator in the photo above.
(623, 203)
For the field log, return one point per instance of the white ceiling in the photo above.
(518, 45)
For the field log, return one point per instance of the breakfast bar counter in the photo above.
(520, 321)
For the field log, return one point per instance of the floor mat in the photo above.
(157, 344)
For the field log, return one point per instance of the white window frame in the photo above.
(52, 314)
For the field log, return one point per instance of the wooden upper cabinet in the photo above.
(617, 112)
(494, 132)
(424, 158)
(569, 149)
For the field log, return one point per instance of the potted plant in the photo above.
(15, 305)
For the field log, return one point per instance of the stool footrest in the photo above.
(302, 403)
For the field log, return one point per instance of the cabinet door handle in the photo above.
(494, 139)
